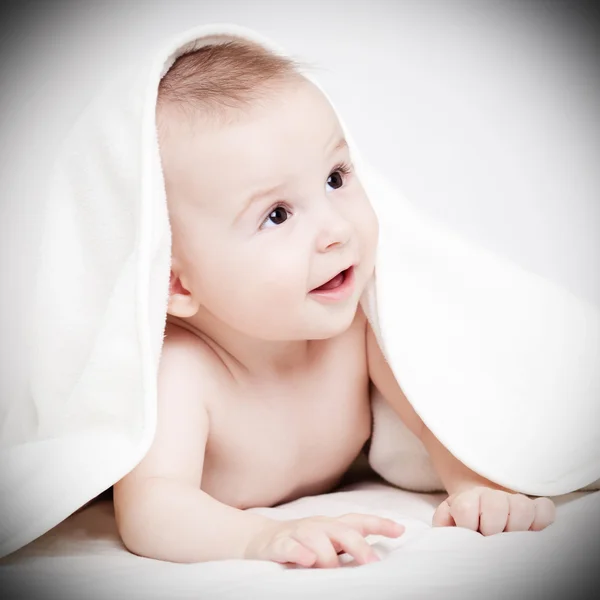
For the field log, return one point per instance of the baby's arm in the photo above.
(162, 513)
(473, 502)
(160, 510)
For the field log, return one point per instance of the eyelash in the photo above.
(344, 168)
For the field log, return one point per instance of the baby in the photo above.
(263, 391)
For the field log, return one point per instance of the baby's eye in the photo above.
(277, 216)
(338, 176)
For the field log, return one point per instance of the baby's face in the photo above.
(252, 260)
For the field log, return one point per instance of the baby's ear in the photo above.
(181, 301)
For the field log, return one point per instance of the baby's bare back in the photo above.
(269, 443)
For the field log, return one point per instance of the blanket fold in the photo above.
(501, 364)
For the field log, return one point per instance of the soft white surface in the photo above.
(83, 557)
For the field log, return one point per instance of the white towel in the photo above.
(501, 365)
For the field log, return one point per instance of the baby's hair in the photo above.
(217, 78)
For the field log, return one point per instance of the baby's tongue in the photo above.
(332, 283)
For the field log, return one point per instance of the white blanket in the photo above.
(500, 364)
(83, 557)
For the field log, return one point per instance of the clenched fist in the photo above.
(317, 541)
(492, 511)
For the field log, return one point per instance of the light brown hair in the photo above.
(221, 80)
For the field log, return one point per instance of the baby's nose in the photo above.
(335, 232)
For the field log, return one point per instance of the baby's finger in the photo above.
(465, 508)
(289, 550)
(319, 543)
(372, 525)
(354, 544)
(521, 513)
(442, 516)
(494, 509)
(545, 513)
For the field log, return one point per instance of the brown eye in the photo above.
(278, 216)
(337, 180)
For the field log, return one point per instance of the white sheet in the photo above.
(83, 557)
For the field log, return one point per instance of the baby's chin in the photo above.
(314, 321)
(328, 325)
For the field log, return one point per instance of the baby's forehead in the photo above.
(233, 155)
(270, 132)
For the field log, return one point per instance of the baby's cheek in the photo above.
(275, 292)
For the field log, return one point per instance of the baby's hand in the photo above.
(493, 511)
(317, 541)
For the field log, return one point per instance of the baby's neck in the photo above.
(253, 359)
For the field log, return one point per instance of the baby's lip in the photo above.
(335, 275)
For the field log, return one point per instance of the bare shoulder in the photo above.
(190, 368)
(187, 346)
(187, 381)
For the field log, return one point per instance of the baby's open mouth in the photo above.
(334, 282)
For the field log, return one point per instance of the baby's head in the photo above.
(235, 121)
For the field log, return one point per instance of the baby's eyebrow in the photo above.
(259, 195)
(342, 143)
